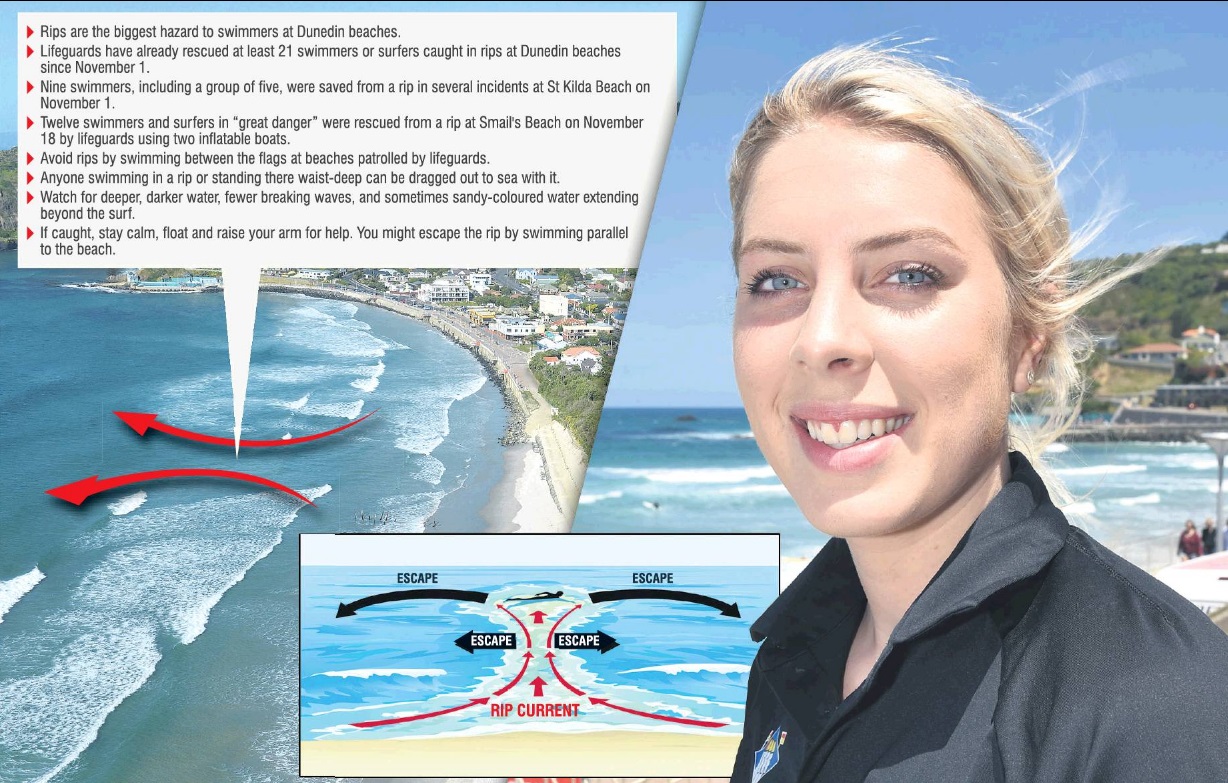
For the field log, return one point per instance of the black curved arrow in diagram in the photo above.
(729, 610)
(350, 609)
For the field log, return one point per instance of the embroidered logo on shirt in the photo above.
(767, 756)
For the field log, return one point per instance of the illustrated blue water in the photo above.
(152, 633)
(700, 471)
(400, 659)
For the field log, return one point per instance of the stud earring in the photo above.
(1031, 377)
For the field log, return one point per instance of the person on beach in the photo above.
(1189, 544)
(905, 266)
(1210, 536)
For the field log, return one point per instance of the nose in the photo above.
(833, 335)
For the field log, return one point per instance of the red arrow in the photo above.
(29, 178)
(688, 721)
(29, 51)
(29, 232)
(29, 159)
(538, 684)
(512, 684)
(80, 491)
(29, 31)
(550, 636)
(538, 617)
(529, 643)
(29, 87)
(565, 683)
(143, 422)
(29, 197)
(29, 123)
(366, 724)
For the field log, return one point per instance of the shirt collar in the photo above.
(1013, 539)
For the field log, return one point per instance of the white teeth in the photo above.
(850, 432)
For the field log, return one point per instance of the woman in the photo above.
(904, 267)
(1189, 544)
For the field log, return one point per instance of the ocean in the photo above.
(152, 633)
(700, 471)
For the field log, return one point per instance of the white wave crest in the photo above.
(1100, 470)
(369, 380)
(692, 475)
(296, 405)
(366, 385)
(600, 496)
(367, 673)
(128, 503)
(1153, 497)
(694, 668)
(13, 589)
(1080, 507)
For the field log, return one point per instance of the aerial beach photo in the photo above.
(109, 603)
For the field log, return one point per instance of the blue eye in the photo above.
(776, 283)
(910, 277)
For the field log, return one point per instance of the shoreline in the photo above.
(615, 754)
(543, 465)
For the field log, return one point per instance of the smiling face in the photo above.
(872, 337)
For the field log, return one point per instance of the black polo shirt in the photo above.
(1035, 654)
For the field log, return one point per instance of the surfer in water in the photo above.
(539, 596)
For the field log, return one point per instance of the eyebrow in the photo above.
(880, 242)
(884, 241)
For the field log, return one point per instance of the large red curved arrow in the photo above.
(688, 721)
(79, 491)
(559, 677)
(550, 636)
(512, 684)
(528, 638)
(367, 724)
(143, 422)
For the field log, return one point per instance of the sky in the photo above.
(1152, 141)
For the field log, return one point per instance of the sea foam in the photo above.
(12, 590)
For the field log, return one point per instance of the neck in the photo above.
(894, 569)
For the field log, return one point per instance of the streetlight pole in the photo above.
(1218, 441)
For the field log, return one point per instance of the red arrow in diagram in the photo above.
(538, 617)
(538, 684)
(550, 636)
(512, 684)
(389, 721)
(688, 721)
(79, 491)
(528, 638)
(559, 677)
(143, 422)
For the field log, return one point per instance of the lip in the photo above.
(859, 456)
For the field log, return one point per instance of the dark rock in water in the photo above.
(685, 417)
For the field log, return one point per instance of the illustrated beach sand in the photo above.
(617, 754)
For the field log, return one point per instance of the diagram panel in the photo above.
(531, 655)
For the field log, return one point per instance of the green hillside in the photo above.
(1185, 290)
(8, 199)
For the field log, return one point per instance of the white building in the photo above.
(479, 281)
(585, 357)
(574, 331)
(515, 327)
(553, 305)
(526, 275)
(445, 289)
(315, 274)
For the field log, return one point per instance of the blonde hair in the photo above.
(880, 89)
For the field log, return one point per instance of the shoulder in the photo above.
(1110, 661)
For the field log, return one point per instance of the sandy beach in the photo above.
(541, 481)
(618, 754)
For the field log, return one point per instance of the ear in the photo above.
(1029, 353)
